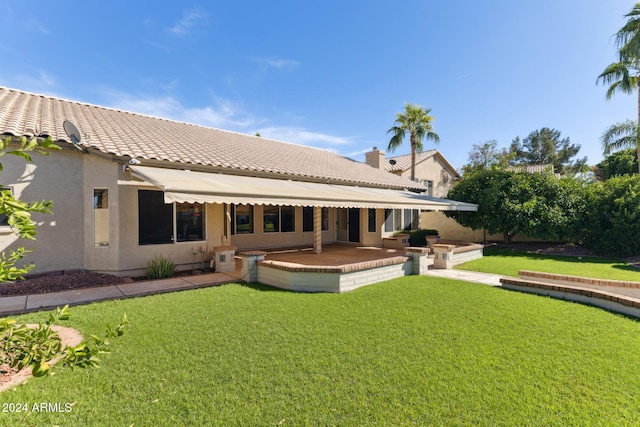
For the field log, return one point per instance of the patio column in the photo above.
(317, 229)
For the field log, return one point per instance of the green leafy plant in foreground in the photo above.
(160, 268)
(23, 346)
(18, 213)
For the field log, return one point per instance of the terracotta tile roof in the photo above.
(122, 133)
(402, 163)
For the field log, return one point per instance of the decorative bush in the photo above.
(160, 268)
(417, 238)
(613, 217)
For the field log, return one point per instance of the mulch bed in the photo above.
(60, 282)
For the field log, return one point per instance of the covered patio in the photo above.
(339, 268)
(186, 186)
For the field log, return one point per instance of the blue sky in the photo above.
(330, 74)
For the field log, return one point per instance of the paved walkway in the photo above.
(468, 276)
(27, 303)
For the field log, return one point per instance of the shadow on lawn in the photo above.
(578, 259)
(263, 288)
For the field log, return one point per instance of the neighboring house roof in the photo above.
(403, 162)
(126, 134)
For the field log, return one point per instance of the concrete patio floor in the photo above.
(332, 255)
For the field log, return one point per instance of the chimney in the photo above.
(375, 158)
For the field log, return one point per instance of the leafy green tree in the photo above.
(18, 213)
(487, 156)
(418, 123)
(622, 76)
(612, 217)
(623, 162)
(539, 205)
(543, 147)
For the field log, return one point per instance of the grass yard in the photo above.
(507, 263)
(412, 351)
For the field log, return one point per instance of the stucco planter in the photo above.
(431, 240)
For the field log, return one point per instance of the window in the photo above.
(189, 222)
(325, 219)
(243, 219)
(279, 218)
(372, 220)
(429, 185)
(271, 219)
(388, 220)
(288, 216)
(156, 220)
(101, 217)
(411, 219)
(397, 219)
(393, 220)
(307, 218)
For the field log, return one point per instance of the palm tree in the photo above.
(621, 135)
(622, 76)
(628, 37)
(417, 121)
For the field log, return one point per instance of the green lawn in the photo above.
(412, 351)
(507, 263)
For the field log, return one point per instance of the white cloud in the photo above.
(271, 62)
(224, 115)
(41, 82)
(191, 18)
(303, 136)
(37, 27)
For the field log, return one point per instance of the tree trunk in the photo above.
(638, 128)
(413, 156)
(508, 235)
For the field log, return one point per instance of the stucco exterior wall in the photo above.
(58, 177)
(100, 174)
(451, 230)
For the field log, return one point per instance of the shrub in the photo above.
(539, 205)
(160, 268)
(417, 238)
(613, 217)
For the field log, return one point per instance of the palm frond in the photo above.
(629, 34)
(620, 135)
(619, 79)
(416, 121)
(396, 139)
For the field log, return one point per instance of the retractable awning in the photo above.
(185, 186)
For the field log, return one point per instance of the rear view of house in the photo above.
(136, 186)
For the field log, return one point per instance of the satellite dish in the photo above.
(72, 132)
(392, 162)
